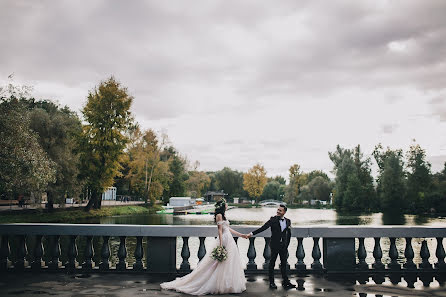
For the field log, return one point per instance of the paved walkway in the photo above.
(59, 284)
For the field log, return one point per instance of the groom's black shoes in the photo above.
(272, 285)
(288, 285)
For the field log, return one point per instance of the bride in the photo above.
(211, 276)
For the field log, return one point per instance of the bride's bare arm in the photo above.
(219, 218)
(236, 233)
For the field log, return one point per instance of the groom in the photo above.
(280, 239)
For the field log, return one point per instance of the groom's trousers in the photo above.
(283, 253)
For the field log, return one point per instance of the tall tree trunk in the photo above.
(50, 202)
(91, 200)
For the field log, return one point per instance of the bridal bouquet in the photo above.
(219, 253)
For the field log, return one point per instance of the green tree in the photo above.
(254, 181)
(103, 140)
(57, 129)
(391, 179)
(271, 191)
(178, 177)
(419, 178)
(280, 179)
(230, 181)
(25, 166)
(315, 173)
(354, 190)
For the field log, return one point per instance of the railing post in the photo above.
(251, 255)
(71, 264)
(316, 254)
(409, 254)
(122, 255)
(22, 251)
(105, 254)
(139, 253)
(38, 254)
(185, 255)
(4, 253)
(161, 254)
(378, 254)
(362, 255)
(393, 254)
(88, 254)
(339, 254)
(202, 249)
(300, 255)
(424, 253)
(55, 253)
(267, 253)
(439, 252)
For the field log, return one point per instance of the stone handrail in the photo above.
(338, 249)
(344, 231)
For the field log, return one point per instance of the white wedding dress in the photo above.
(211, 276)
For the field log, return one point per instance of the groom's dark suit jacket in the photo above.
(279, 239)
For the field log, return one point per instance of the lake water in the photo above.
(299, 217)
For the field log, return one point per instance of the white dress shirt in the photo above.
(282, 224)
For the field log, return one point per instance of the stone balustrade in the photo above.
(337, 251)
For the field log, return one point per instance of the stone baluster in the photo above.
(378, 254)
(267, 252)
(105, 254)
(316, 254)
(88, 254)
(71, 264)
(362, 254)
(38, 254)
(439, 252)
(409, 254)
(4, 253)
(393, 254)
(55, 253)
(139, 253)
(251, 255)
(21, 263)
(202, 249)
(424, 253)
(122, 255)
(300, 255)
(185, 254)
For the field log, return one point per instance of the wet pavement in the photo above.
(113, 284)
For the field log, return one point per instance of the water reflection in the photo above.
(393, 218)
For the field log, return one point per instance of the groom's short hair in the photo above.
(283, 206)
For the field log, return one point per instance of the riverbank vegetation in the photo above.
(71, 215)
(51, 152)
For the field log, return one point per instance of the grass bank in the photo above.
(71, 215)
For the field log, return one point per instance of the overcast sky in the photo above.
(234, 83)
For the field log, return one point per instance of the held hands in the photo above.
(246, 236)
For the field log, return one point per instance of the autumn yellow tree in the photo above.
(148, 175)
(254, 181)
(297, 180)
(197, 181)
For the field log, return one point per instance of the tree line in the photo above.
(404, 182)
(47, 148)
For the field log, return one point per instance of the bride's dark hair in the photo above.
(220, 208)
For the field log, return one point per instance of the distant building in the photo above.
(211, 196)
(320, 202)
(181, 201)
(109, 194)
